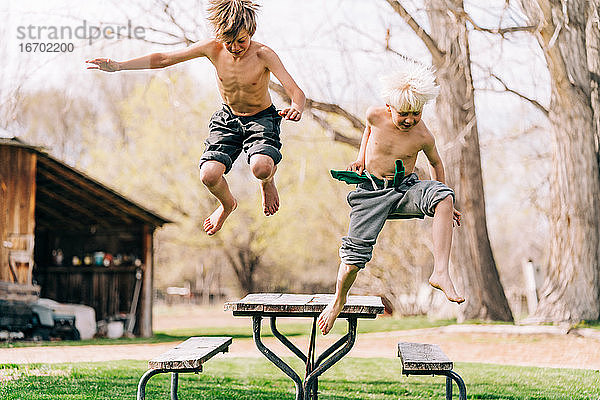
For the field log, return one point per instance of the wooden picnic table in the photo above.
(273, 305)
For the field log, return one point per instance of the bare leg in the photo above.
(211, 174)
(442, 242)
(345, 278)
(264, 168)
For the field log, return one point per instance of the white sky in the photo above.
(327, 45)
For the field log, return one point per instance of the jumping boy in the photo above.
(248, 120)
(393, 136)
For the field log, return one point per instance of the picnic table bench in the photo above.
(185, 357)
(429, 359)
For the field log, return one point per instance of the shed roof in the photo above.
(66, 198)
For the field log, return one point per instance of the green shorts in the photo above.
(229, 134)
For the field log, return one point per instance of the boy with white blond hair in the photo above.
(393, 136)
(248, 120)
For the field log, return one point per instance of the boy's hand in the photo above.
(291, 113)
(357, 166)
(104, 64)
(456, 217)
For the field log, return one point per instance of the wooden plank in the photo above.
(191, 354)
(252, 302)
(95, 188)
(303, 304)
(423, 357)
(79, 207)
(144, 313)
(58, 216)
(354, 304)
(14, 291)
(287, 303)
(17, 200)
(318, 303)
(91, 197)
(363, 305)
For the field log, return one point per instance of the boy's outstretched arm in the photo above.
(274, 64)
(154, 60)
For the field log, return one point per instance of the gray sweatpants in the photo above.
(371, 208)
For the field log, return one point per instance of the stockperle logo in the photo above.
(84, 30)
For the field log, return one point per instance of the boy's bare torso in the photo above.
(387, 143)
(243, 81)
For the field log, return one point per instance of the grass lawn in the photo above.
(286, 327)
(256, 379)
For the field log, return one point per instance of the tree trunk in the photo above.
(571, 292)
(471, 254)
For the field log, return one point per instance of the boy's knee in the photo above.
(447, 203)
(448, 200)
(211, 173)
(262, 166)
(349, 268)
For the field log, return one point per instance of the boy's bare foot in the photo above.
(270, 197)
(215, 221)
(443, 282)
(329, 315)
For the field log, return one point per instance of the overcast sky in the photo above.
(333, 48)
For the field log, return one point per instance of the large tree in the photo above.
(448, 43)
(569, 35)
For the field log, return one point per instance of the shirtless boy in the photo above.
(393, 136)
(248, 120)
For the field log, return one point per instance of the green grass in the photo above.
(303, 328)
(589, 324)
(290, 329)
(257, 379)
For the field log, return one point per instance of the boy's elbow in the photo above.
(301, 97)
(159, 60)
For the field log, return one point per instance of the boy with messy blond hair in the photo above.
(248, 120)
(393, 136)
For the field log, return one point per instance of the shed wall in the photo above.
(17, 201)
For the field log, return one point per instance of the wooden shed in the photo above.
(76, 238)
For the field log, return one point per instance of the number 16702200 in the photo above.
(41, 47)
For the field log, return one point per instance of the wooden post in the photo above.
(530, 286)
(147, 284)
(17, 202)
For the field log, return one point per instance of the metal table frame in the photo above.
(141, 392)
(450, 376)
(306, 389)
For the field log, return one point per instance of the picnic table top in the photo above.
(302, 305)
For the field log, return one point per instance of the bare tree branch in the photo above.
(495, 31)
(167, 10)
(436, 53)
(333, 133)
(532, 101)
(312, 105)
(166, 33)
(317, 105)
